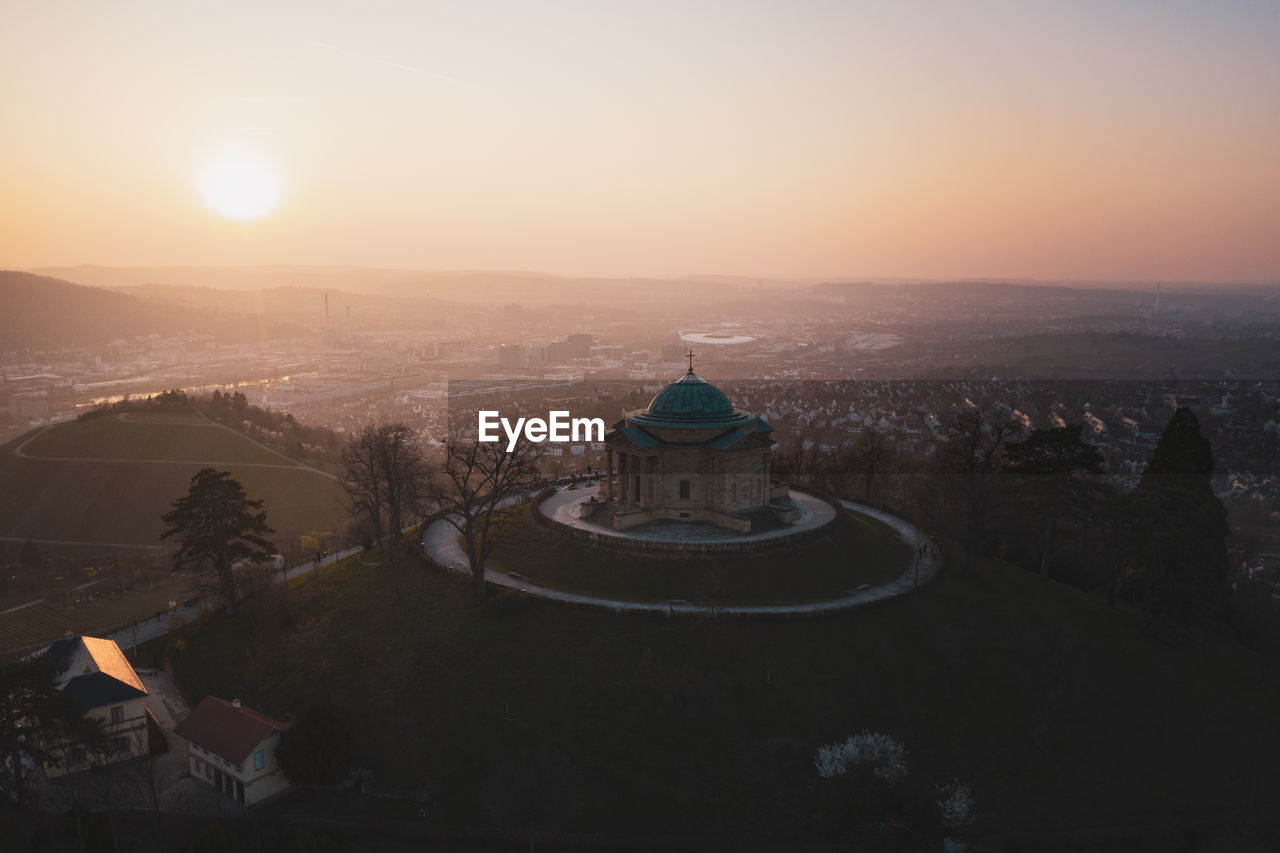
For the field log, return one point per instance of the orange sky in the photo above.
(1083, 140)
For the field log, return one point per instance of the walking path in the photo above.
(156, 626)
(440, 541)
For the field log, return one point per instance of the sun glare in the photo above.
(240, 185)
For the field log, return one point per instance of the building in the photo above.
(690, 455)
(572, 347)
(510, 357)
(104, 687)
(233, 749)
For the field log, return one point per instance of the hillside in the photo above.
(37, 312)
(42, 313)
(1073, 729)
(108, 479)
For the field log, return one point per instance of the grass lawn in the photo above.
(89, 499)
(115, 479)
(166, 436)
(855, 550)
(522, 713)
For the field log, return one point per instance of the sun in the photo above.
(240, 185)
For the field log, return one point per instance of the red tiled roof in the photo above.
(229, 732)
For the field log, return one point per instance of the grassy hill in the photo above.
(91, 494)
(42, 313)
(45, 313)
(1071, 727)
(109, 479)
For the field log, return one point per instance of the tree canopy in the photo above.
(217, 525)
(478, 494)
(1179, 527)
(386, 484)
(34, 713)
(1048, 486)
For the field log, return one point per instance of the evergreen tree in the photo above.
(34, 713)
(217, 525)
(1179, 527)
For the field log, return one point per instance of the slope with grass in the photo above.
(109, 479)
(1063, 718)
(855, 550)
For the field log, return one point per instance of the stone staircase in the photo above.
(604, 515)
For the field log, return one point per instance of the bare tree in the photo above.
(968, 463)
(386, 484)
(802, 457)
(868, 459)
(478, 492)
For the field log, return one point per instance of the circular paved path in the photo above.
(440, 541)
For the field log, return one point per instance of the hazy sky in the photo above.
(1057, 140)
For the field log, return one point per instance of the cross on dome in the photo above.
(690, 356)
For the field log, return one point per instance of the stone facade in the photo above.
(689, 456)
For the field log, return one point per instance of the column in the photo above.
(625, 478)
(622, 477)
(606, 489)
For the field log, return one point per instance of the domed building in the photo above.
(690, 455)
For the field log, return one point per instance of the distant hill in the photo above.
(488, 287)
(37, 312)
(42, 313)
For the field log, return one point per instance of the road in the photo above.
(158, 626)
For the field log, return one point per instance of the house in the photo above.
(104, 687)
(233, 749)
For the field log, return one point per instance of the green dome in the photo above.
(692, 398)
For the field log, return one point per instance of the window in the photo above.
(684, 490)
(117, 714)
(208, 770)
(259, 760)
(199, 766)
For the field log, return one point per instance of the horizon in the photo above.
(1065, 142)
(59, 271)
